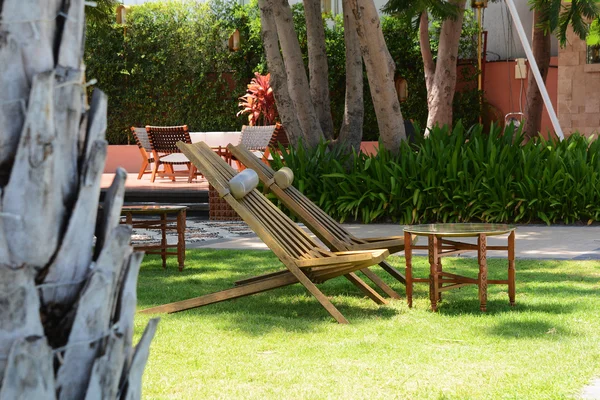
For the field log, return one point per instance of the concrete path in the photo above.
(532, 241)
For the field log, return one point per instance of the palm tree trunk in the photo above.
(380, 74)
(352, 125)
(443, 85)
(428, 64)
(66, 322)
(285, 106)
(317, 66)
(294, 67)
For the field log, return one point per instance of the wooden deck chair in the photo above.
(333, 234)
(141, 139)
(163, 141)
(306, 261)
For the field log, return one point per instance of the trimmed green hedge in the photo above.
(171, 66)
(461, 176)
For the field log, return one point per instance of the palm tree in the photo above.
(440, 75)
(67, 302)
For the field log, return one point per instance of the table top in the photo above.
(150, 209)
(460, 230)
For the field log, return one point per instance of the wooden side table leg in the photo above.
(482, 279)
(129, 220)
(439, 268)
(408, 271)
(511, 268)
(181, 216)
(163, 241)
(433, 271)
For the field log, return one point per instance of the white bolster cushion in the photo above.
(284, 178)
(243, 183)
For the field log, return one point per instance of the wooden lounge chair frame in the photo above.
(306, 261)
(141, 139)
(333, 234)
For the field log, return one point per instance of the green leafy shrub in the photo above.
(458, 176)
(171, 66)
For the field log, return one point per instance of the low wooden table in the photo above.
(164, 223)
(438, 247)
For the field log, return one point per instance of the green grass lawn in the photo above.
(282, 344)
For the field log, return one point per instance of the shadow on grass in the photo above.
(460, 307)
(291, 307)
(527, 330)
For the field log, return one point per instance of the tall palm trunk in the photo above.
(66, 317)
(440, 94)
(352, 125)
(380, 73)
(294, 67)
(285, 105)
(317, 65)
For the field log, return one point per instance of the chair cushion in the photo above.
(243, 183)
(284, 177)
(175, 158)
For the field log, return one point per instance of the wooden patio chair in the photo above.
(333, 234)
(305, 260)
(163, 142)
(141, 139)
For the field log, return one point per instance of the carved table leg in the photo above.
(433, 272)
(181, 215)
(408, 272)
(511, 268)
(482, 279)
(439, 267)
(163, 241)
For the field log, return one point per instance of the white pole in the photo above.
(534, 68)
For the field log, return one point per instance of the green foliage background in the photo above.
(466, 176)
(171, 66)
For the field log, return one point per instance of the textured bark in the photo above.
(296, 74)
(285, 106)
(380, 74)
(317, 65)
(534, 107)
(66, 314)
(441, 94)
(428, 64)
(17, 71)
(352, 125)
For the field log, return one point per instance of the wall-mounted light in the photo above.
(479, 3)
(402, 88)
(234, 41)
(122, 14)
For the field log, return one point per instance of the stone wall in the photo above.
(578, 89)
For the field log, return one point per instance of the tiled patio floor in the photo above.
(180, 183)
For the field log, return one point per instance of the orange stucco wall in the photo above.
(125, 156)
(501, 87)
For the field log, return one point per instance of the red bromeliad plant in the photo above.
(259, 102)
